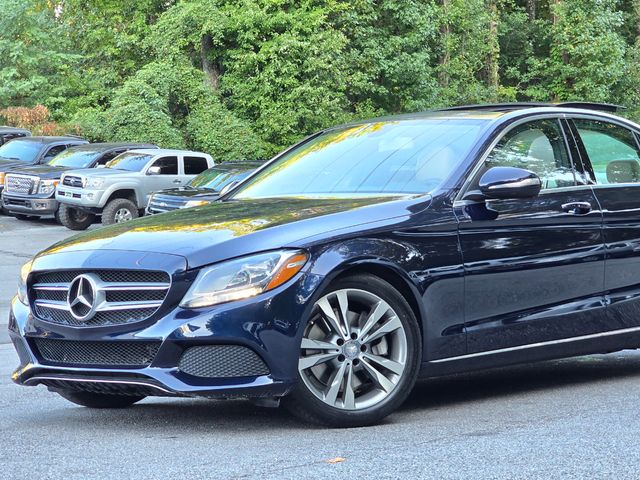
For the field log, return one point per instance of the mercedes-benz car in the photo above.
(367, 254)
(203, 189)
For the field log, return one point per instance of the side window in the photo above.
(538, 146)
(168, 165)
(109, 156)
(195, 165)
(612, 150)
(53, 151)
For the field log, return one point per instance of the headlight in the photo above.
(47, 187)
(1, 178)
(243, 278)
(22, 282)
(93, 182)
(196, 203)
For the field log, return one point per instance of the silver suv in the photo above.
(121, 191)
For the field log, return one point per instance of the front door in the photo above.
(534, 268)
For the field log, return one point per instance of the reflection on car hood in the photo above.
(222, 230)
(186, 193)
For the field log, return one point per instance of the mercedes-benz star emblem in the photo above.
(82, 297)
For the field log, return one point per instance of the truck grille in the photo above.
(113, 297)
(160, 204)
(116, 353)
(20, 184)
(72, 181)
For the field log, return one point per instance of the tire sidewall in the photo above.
(109, 211)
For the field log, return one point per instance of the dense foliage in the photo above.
(245, 78)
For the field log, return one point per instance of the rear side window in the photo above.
(612, 150)
(195, 165)
(168, 165)
(538, 146)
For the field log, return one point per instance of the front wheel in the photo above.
(74, 219)
(359, 356)
(99, 400)
(119, 210)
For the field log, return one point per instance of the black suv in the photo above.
(203, 189)
(20, 152)
(9, 133)
(31, 190)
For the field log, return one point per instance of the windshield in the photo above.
(74, 158)
(386, 157)
(130, 161)
(20, 151)
(216, 179)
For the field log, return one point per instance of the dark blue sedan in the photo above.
(351, 263)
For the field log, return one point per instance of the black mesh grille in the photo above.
(70, 352)
(120, 276)
(220, 361)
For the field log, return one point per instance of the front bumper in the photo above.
(79, 197)
(31, 205)
(268, 325)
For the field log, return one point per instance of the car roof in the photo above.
(237, 165)
(493, 111)
(7, 129)
(45, 140)
(99, 147)
(166, 151)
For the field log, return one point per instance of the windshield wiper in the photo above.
(12, 158)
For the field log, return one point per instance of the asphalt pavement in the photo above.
(574, 418)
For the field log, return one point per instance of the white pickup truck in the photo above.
(120, 192)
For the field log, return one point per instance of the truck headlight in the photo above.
(47, 187)
(2, 178)
(22, 282)
(243, 277)
(196, 203)
(93, 182)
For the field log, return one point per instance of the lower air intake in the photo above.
(222, 361)
(69, 352)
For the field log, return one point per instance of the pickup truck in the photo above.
(24, 151)
(120, 192)
(30, 190)
(9, 133)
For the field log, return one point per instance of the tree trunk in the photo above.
(211, 71)
(531, 9)
(636, 11)
(494, 47)
(445, 56)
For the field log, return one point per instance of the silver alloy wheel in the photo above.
(354, 350)
(123, 215)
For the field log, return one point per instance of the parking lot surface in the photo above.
(573, 418)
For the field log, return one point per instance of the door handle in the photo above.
(577, 208)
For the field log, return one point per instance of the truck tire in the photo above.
(75, 219)
(119, 210)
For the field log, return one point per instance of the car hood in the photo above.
(6, 165)
(187, 192)
(101, 172)
(43, 171)
(222, 230)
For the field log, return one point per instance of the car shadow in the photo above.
(169, 416)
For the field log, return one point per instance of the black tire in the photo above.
(56, 216)
(114, 207)
(98, 400)
(73, 218)
(306, 406)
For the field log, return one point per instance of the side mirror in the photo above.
(228, 187)
(506, 183)
(101, 166)
(154, 171)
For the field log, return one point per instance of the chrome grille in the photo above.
(160, 204)
(71, 352)
(72, 181)
(122, 296)
(20, 184)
